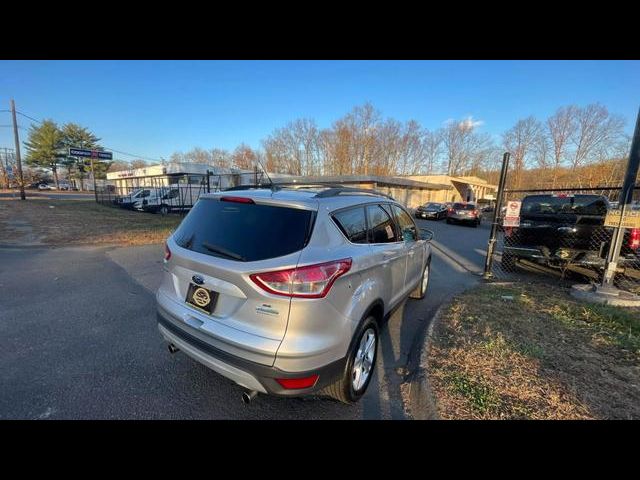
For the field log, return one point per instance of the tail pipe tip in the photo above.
(248, 395)
(172, 348)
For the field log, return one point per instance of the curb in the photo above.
(422, 401)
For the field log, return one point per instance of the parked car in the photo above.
(463, 212)
(285, 291)
(432, 210)
(170, 198)
(46, 186)
(128, 201)
(559, 229)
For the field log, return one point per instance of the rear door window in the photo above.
(244, 231)
(464, 206)
(353, 224)
(381, 226)
(552, 205)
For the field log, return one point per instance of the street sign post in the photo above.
(93, 155)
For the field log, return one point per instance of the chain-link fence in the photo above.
(561, 236)
(167, 193)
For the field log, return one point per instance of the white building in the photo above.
(125, 181)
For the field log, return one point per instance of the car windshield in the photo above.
(554, 205)
(464, 206)
(432, 206)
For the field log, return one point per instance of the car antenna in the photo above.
(264, 170)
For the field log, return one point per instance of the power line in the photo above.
(105, 146)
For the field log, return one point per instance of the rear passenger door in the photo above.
(414, 247)
(388, 251)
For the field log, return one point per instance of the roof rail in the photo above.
(252, 187)
(336, 191)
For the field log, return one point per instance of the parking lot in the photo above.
(82, 342)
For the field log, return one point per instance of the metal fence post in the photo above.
(496, 214)
(626, 197)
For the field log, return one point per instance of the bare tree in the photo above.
(244, 157)
(561, 127)
(432, 142)
(521, 140)
(465, 148)
(138, 163)
(596, 134)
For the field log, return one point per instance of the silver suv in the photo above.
(284, 290)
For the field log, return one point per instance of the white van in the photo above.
(128, 201)
(170, 198)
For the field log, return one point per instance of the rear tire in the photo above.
(163, 210)
(449, 221)
(343, 389)
(421, 289)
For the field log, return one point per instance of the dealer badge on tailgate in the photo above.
(202, 298)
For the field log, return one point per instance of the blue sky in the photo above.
(154, 108)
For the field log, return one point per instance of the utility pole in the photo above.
(17, 141)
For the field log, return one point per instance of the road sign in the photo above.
(631, 219)
(512, 215)
(82, 152)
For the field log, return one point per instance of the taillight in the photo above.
(237, 199)
(634, 238)
(311, 281)
(167, 252)
(297, 383)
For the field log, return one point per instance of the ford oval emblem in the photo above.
(198, 279)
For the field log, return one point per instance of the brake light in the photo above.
(167, 252)
(311, 281)
(237, 199)
(296, 383)
(634, 238)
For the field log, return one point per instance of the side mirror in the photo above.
(426, 234)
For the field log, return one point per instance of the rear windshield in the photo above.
(464, 206)
(242, 231)
(550, 205)
(432, 206)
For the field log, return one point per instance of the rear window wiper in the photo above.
(222, 251)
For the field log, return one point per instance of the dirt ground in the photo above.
(529, 351)
(73, 222)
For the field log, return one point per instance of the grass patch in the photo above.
(479, 394)
(533, 351)
(78, 222)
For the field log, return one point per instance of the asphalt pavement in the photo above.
(80, 340)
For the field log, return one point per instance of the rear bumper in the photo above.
(248, 374)
(426, 214)
(462, 218)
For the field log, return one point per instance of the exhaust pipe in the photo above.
(172, 348)
(248, 395)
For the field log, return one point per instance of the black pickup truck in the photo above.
(558, 230)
